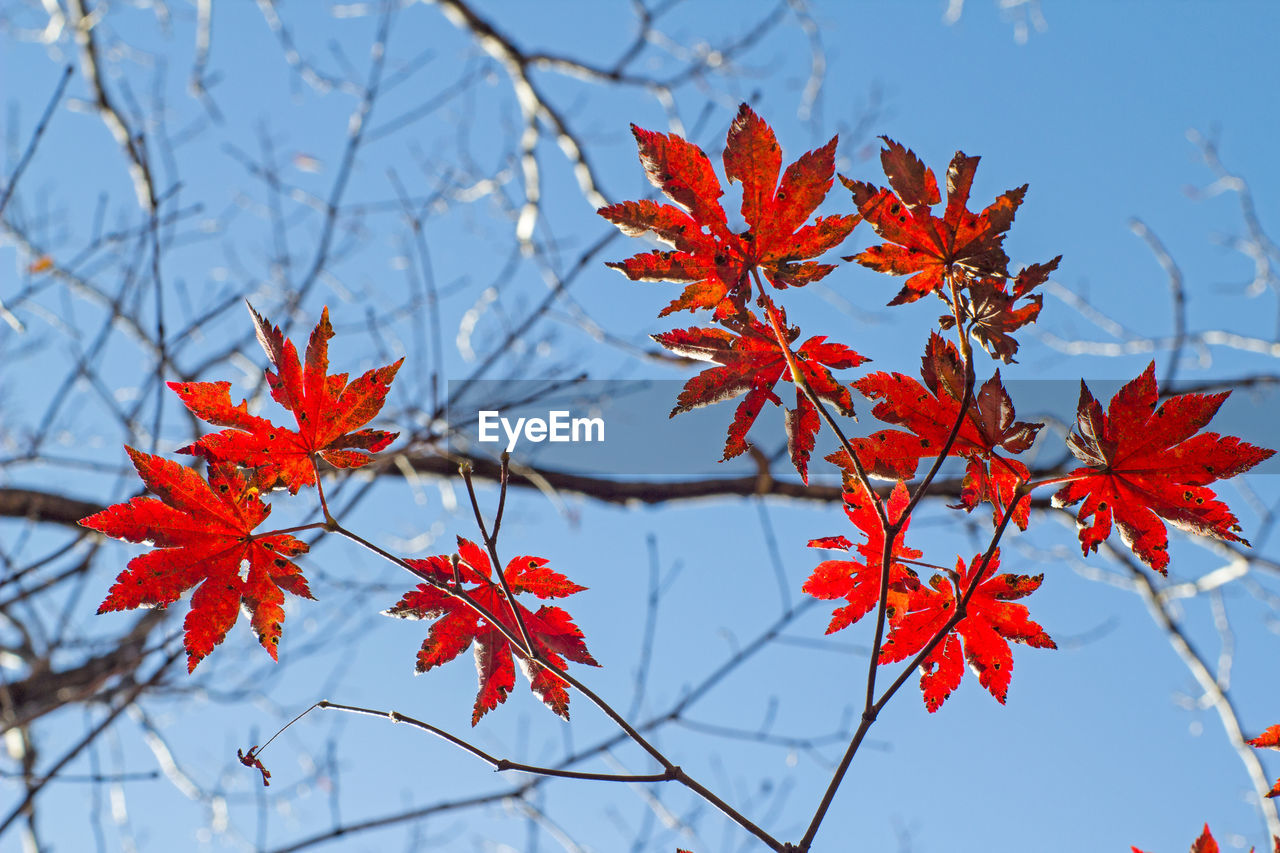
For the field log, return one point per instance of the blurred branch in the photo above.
(82, 24)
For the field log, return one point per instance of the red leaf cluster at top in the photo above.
(715, 262)
(963, 248)
(718, 267)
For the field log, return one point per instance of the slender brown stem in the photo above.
(891, 530)
(258, 750)
(1053, 481)
(961, 606)
(490, 542)
(498, 764)
(330, 523)
(503, 477)
(869, 716)
(798, 378)
(315, 525)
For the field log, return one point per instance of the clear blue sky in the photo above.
(1102, 743)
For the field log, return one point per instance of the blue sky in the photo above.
(1102, 744)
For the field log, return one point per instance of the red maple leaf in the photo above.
(329, 413)
(991, 311)
(751, 362)
(929, 412)
(203, 534)
(1205, 844)
(981, 638)
(457, 626)
(715, 262)
(1145, 464)
(961, 244)
(1270, 739)
(858, 582)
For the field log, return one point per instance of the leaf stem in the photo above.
(798, 378)
(1053, 481)
(498, 764)
(892, 529)
(491, 544)
(330, 523)
(961, 605)
(873, 709)
(315, 525)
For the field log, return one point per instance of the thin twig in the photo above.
(36, 135)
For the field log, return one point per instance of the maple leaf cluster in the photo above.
(203, 530)
(720, 269)
(917, 613)
(1141, 464)
(962, 249)
(1144, 463)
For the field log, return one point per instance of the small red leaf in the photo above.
(329, 413)
(980, 639)
(751, 362)
(962, 245)
(857, 582)
(457, 626)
